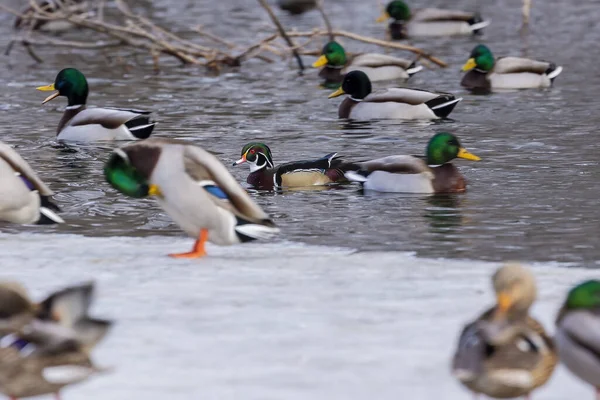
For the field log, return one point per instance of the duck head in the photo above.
(515, 291)
(70, 83)
(333, 54)
(481, 57)
(585, 296)
(356, 83)
(445, 147)
(257, 155)
(397, 9)
(124, 177)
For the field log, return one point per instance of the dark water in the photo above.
(534, 195)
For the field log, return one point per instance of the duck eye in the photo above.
(252, 151)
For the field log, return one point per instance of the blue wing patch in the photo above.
(216, 191)
(27, 182)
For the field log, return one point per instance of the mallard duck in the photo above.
(505, 353)
(415, 174)
(38, 362)
(578, 333)
(264, 174)
(430, 21)
(487, 74)
(83, 124)
(378, 67)
(393, 103)
(24, 198)
(193, 187)
(64, 311)
(297, 6)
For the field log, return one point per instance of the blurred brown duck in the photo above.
(505, 353)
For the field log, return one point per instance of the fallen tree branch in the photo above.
(283, 33)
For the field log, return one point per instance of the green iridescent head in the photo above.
(70, 83)
(124, 177)
(584, 296)
(445, 147)
(481, 58)
(333, 54)
(398, 10)
(257, 155)
(356, 83)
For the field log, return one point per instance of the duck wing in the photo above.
(439, 14)
(513, 65)
(402, 95)
(20, 166)
(110, 118)
(200, 163)
(396, 164)
(374, 60)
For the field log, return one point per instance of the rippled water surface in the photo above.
(534, 195)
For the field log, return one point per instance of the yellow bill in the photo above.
(462, 153)
(154, 190)
(48, 88)
(504, 302)
(321, 61)
(469, 65)
(337, 93)
(383, 17)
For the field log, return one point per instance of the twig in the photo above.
(326, 20)
(283, 33)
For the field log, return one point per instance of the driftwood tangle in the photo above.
(123, 28)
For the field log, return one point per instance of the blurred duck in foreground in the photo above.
(194, 188)
(433, 173)
(265, 175)
(505, 353)
(393, 103)
(378, 67)
(485, 73)
(578, 333)
(46, 346)
(83, 124)
(429, 21)
(24, 198)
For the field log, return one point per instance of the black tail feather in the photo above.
(141, 127)
(443, 105)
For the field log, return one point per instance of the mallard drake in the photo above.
(264, 174)
(578, 333)
(194, 188)
(83, 124)
(297, 6)
(415, 174)
(505, 353)
(486, 73)
(24, 198)
(430, 21)
(378, 67)
(393, 103)
(38, 362)
(64, 311)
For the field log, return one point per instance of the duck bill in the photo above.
(240, 161)
(462, 153)
(154, 190)
(48, 88)
(337, 93)
(469, 65)
(321, 61)
(383, 17)
(504, 301)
